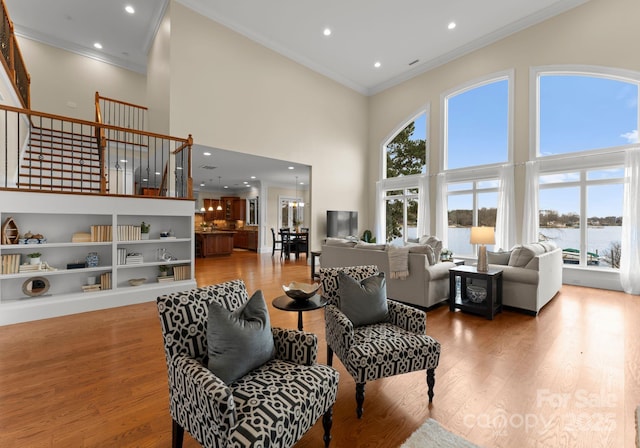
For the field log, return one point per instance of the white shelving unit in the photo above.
(57, 217)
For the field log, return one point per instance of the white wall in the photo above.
(234, 94)
(65, 83)
(159, 77)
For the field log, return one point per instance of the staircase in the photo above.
(60, 161)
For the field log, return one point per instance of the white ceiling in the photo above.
(395, 33)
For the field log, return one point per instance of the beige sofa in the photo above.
(532, 275)
(425, 286)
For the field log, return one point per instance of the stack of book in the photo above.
(31, 267)
(105, 281)
(10, 264)
(134, 259)
(182, 272)
(165, 278)
(100, 233)
(90, 288)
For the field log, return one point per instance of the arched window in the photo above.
(406, 153)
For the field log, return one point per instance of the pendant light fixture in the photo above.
(219, 207)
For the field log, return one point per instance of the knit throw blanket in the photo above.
(398, 262)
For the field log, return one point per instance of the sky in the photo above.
(577, 113)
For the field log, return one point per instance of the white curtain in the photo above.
(442, 215)
(531, 218)
(505, 219)
(380, 218)
(630, 256)
(424, 215)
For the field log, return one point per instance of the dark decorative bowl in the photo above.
(476, 294)
(301, 291)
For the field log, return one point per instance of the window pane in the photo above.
(395, 220)
(559, 178)
(412, 219)
(614, 173)
(407, 152)
(460, 222)
(604, 231)
(478, 126)
(560, 220)
(460, 186)
(579, 113)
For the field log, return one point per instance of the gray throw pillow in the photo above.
(501, 257)
(363, 302)
(239, 341)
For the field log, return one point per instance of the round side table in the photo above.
(286, 303)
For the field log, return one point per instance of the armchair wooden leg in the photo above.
(359, 398)
(177, 435)
(329, 356)
(431, 380)
(327, 422)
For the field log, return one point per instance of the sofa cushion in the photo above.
(425, 249)
(371, 246)
(501, 258)
(522, 255)
(331, 241)
(239, 341)
(363, 302)
(433, 242)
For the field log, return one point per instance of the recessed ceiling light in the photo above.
(451, 25)
(245, 182)
(124, 160)
(178, 167)
(377, 64)
(129, 9)
(290, 167)
(202, 184)
(157, 173)
(98, 45)
(206, 153)
(145, 180)
(327, 32)
(253, 177)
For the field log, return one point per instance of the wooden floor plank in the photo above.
(567, 378)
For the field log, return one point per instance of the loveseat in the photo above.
(532, 275)
(426, 285)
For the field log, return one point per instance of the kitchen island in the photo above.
(214, 242)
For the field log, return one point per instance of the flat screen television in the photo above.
(341, 224)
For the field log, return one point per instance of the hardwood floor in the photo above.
(567, 378)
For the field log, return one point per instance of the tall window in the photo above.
(477, 124)
(470, 204)
(584, 118)
(405, 166)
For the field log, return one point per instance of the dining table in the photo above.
(294, 242)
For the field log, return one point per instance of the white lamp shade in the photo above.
(482, 235)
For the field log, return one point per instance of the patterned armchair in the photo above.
(271, 406)
(380, 350)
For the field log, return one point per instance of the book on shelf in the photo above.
(134, 259)
(182, 272)
(101, 233)
(127, 232)
(10, 264)
(105, 281)
(89, 288)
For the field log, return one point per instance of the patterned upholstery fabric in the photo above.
(271, 406)
(380, 350)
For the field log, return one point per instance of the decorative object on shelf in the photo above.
(476, 294)
(92, 259)
(301, 291)
(35, 286)
(10, 232)
(164, 270)
(137, 281)
(76, 265)
(482, 236)
(31, 238)
(34, 257)
(144, 230)
(446, 255)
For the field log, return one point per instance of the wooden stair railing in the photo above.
(12, 58)
(46, 152)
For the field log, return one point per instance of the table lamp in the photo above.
(482, 236)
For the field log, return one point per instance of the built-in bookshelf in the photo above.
(85, 241)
